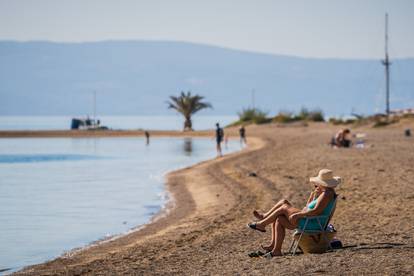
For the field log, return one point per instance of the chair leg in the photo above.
(291, 244)
(294, 248)
(297, 244)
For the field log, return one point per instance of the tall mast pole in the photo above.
(94, 105)
(386, 62)
(253, 98)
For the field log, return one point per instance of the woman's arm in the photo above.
(339, 137)
(311, 197)
(322, 202)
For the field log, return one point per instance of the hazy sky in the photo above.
(311, 28)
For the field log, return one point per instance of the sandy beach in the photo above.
(204, 232)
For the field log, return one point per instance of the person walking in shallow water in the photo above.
(219, 139)
(147, 136)
(242, 132)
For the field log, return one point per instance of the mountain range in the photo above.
(137, 78)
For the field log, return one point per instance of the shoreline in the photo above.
(169, 205)
(175, 193)
(99, 133)
(206, 230)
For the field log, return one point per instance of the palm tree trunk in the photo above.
(188, 125)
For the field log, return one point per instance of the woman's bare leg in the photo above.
(272, 242)
(284, 210)
(276, 206)
(281, 224)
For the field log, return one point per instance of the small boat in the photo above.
(86, 124)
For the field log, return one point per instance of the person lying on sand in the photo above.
(283, 215)
(342, 139)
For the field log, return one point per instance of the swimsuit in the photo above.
(313, 223)
(219, 135)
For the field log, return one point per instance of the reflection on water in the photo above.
(188, 146)
(61, 193)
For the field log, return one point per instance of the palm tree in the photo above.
(187, 105)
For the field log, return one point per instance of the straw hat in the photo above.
(325, 178)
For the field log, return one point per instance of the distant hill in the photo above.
(136, 77)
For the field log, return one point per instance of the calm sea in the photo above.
(57, 194)
(113, 122)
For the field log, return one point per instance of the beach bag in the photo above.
(317, 242)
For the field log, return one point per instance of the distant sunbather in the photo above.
(341, 139)
(283, 215)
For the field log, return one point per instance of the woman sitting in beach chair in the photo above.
(283, 215)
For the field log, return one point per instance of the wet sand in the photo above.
(205, 231)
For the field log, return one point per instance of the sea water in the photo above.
(114, 122)
(57, 194)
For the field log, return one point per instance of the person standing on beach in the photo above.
(147, 136)
(219, 139)
(242, 132)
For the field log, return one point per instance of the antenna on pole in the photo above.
(386, 62)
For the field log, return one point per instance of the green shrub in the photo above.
(253, 115)
(257, 116)
(340, 121)
(336, 121)
(283, 117)
(303, 115)
(262, 120)
(316, 116)
(381, 124)
(408, 115)
(246, 114)
(381, 121)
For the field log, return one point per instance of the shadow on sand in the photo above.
(365, 246)
(378, 245)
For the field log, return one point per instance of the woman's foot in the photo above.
(258, 215)
(267, 248)
(255, 226)
(276, 253)
(272, 254)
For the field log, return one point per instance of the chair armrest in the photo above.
(315, 217)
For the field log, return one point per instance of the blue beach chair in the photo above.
(321, 223)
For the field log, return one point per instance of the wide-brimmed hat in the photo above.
(325, 178)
